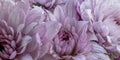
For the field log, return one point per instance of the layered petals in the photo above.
(71, 39)
(104, 20)
(18, 37)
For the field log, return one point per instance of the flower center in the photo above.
(117, 21)
(65, 36)
(1, 48)
(7, 48)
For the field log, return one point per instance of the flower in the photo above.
(71, 40)
(19, 28)
(104, 19)
(59, 30)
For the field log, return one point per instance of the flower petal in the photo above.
(52, 29)
(25, 57)
(79, 57)
(18, 17)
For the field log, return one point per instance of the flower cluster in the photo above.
(59, 30)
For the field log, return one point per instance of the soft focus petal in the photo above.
(25, 57)
(80, 57)
(53, 29)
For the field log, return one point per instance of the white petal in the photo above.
(80, 25)
(34, 44)
(102, 56)
(48, 57)
(26, 40)
(59, 14)
(118, 48)
(30, 27)
(70, 8)
(20, 27)
(38, 29)
(52, 29)
(26, 57)
(79, 57)
(13, 55)
(16, 17)
(97, 56)
(97, 48)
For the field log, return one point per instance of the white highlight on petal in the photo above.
(13, 55)
(26, 40)
(26, 57)
(79, 57)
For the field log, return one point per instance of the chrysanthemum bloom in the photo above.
(19, 25)
(105, 20)
(71, 41)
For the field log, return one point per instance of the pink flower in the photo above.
(19, 28)
(71, 40)
(104, 19)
